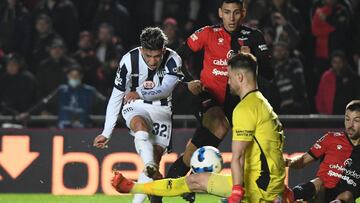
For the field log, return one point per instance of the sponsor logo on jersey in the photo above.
(229, 54)
(263, 47)
(148, 84)
(194, 37)
(216, 29)
(348, 162)
(118, 81)
(219, 72)
(127, 110)
(220, 62)
(243, 38)
(317, 146)
(244, 32)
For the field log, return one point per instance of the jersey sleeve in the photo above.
(173, 66)
(263, 56)
(198, 39)
(123, 74)
(320, 147)
(244, 124)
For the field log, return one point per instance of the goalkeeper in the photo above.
(257, 164)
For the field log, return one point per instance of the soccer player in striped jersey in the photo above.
(142, 91)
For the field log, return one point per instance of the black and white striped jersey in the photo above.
(133, 74)
(153, 86)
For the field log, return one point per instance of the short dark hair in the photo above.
(354, 105)
(245, 61)
(338, 53)
(240, 2)
(153, 38)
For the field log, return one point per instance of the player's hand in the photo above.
(237, 194)
(195, 87)
(245, 49)
(130, 97)
(100, 141)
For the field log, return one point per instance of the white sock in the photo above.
(144, 147)
(139, 198)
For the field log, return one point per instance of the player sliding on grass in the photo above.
(339, 171)
(257, 164)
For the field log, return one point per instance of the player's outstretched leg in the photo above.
(216, 184)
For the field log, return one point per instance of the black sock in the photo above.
(304, 191)
(178, 169)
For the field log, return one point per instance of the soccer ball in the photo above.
(206, 159)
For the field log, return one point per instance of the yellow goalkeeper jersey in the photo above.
(254, 120)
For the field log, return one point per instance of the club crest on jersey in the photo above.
(339, 147)
(220, 41)
(148, 84)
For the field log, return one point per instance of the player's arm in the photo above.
(300, 162)
(263, 55)
(193, 44)
(114, 105)
(317, 151)
(163, 91)
(237, 161)
(346, 196)
(243, 133)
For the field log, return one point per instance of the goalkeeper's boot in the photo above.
(121, 184)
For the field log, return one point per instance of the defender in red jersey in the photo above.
(219, 42)
(339, 170)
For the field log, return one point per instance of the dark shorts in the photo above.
(207, 101)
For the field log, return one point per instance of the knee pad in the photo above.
(203, 137)
(304, 191)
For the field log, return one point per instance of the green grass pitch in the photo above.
(47, 198)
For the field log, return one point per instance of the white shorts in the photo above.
(157, 116)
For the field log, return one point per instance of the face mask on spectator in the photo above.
(74, 82)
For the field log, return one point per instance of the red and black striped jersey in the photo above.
(219, 45)
(340, 162)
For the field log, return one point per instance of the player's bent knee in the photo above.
(138, 123)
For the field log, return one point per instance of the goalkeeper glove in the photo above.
(237, 194)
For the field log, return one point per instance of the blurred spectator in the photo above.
(86, 10)
(286, 21)
(107, 47)
(91, 66)
(256, 10)
(64, 17)
(184, 11)
(115, 14)
(329, 26)
(52, 71)
(170, 28)
(356, 38)
(15, 27)
(338, 86)
(43, 38)
(76, 101)
(18, 86)
(289, 78)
